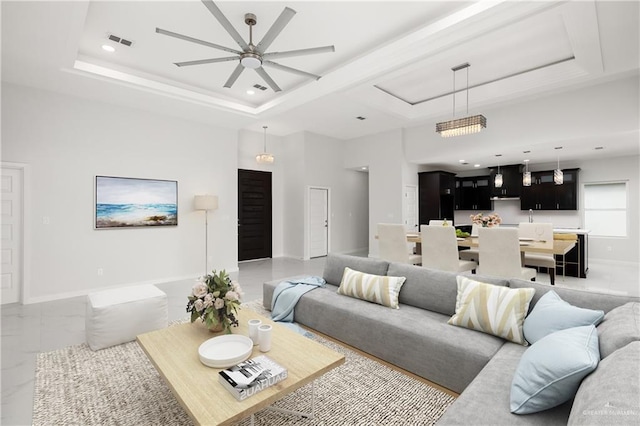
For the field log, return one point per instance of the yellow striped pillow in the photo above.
(492, 309)
(379, 289)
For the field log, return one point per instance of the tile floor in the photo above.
(30, 329)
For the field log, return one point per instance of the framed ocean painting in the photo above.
(130, 202)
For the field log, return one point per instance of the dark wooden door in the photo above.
(254, 215)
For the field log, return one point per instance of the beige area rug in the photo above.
(119, 386)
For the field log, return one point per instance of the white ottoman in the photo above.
(119, 315)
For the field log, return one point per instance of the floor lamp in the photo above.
(206, 203)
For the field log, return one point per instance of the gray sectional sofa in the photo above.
(479, 366)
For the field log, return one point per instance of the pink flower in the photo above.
(208, 300)
(231, 295)
(199, 290)
(199, 305)
(218, 303)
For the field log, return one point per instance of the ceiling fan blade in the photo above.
(217, 13)
(207, 61)
(262, 73)
(275, 29)
(195, 40)
(234, 76)
(299, 52)
(292, 70)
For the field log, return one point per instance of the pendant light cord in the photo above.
(265, 138)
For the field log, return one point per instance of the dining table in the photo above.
(559, 247)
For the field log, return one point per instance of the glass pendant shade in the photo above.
(558, 177)
(265, 158)
(498, 180)
(526, 179)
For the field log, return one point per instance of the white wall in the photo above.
(384, 154)
(66, 142)
(348, 220)
(294, 188)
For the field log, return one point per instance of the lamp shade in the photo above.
(206, 202)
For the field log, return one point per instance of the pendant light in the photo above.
(497, 182)
(461, 126)
(265, 157)
(558, 177)
(526, 176)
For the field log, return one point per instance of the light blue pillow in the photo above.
(550, 371)
(551, 313)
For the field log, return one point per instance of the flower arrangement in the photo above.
(215, 299)
(486, 221)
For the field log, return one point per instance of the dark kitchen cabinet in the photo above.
(436, 199)
(473, 193)
(511, 181)
(544, 194)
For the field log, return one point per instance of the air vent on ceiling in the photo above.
(257, 86)
(120, 40)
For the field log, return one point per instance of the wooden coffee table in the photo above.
(174, 353)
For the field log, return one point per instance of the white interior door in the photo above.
(11, 222)
(410, 208)
(318, 222)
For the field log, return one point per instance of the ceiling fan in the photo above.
(251, 56)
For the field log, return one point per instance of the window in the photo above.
(605, 209)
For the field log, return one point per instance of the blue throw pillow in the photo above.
(551, 313)
(550, 371)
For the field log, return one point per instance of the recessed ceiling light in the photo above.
(251, 92)
(363, 168)
(461, 161)
(361, 118)
(558, 147)
(599, 147)
(498, 155)
(526, 152)
(526, 161)
(476, 165)
(108, 48)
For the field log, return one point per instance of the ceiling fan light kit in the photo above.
(461, 126)
(251, 56)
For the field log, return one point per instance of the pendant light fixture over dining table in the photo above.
(265, 157)
(497, 182)
(461, 126)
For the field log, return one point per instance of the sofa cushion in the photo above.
(432, 289)
(551, 314)
(620, 327)
(486, 400)
(429, 346)
(491, 309)
(580, 298)
(380, 289)
(335, 264)
(609, 395)
(550, 371)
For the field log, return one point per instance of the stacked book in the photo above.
(251, 376)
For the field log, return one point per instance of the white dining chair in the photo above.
(440, 249)
(472, 254)
(500, 253)
(540, 232)
(392, 244)
(440, 222)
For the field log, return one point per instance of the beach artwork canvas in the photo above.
(129, 202)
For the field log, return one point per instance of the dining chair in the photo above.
(440, 222)
(472, 254)
(440, 249)
(392, 244)
(500, 252)
(541, 232)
